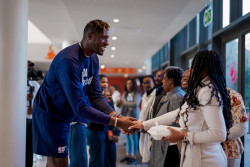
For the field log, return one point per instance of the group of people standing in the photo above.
(212, 117)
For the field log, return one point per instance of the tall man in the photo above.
(71, 89)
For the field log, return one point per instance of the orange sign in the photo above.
(51, 53)
(118, 70)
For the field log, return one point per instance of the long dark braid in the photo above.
(211, 63)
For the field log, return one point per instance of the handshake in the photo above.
(127, 125)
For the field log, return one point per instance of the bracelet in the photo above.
(118, 116)
(115, 122)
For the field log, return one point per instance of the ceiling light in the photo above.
(114, 38)
(112, 56)
(113, 48)
(139, 70)
(144, 67)
(102, 66)
(116, 20)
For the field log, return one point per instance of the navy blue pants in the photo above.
(102, 152)
(77, 146)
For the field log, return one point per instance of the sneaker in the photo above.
(132, 161)
(125, 160)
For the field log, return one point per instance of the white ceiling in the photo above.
(144, 27)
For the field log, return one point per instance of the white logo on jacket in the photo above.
(86, 81)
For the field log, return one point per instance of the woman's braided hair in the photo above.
(211, 63)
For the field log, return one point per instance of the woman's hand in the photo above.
(137, 125)
(174, 136)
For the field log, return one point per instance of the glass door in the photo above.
(231, 55)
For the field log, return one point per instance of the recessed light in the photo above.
(114, 38)
(102, 66)
(113, 48)
(144, 67)
(112, 56)
(116, 20)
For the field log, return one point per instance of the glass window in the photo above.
(232, 64)
(226, 12)
(190, 62)
(191, 34)
(247, 98)
(209, 46)
(209, 31)
(197, 27)
(166, 52)
(245, 7)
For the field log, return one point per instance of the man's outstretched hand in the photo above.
(124, 123)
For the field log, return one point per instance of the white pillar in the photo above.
(13, 74)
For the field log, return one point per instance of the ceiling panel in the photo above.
(144, 27)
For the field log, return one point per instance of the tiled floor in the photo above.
(120, 154)
(121, 151)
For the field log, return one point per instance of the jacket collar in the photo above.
(150, 92)
(206, 80)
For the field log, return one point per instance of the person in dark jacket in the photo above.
(102, 138)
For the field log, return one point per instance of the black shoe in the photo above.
(132, 161)
(125, 160)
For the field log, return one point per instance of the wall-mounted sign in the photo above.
(117, 70)
(208, 16)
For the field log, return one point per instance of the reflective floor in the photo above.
(120, 154)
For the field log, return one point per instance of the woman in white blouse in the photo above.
(205, 115)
